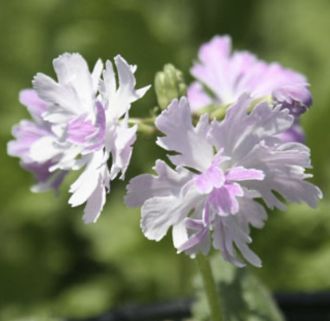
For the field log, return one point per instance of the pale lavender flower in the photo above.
(222, 76)
(27, 133)
(79, 122)
(222, 171)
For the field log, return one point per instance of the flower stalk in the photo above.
(145, 125)
(209, 287)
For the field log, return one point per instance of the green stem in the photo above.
(210, 287)
(145, 125)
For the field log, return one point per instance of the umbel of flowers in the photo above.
(222, 174)
(235, 147)
(221, 169)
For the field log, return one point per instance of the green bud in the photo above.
(169, 84)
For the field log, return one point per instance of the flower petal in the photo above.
(240, 173)
(35, 105)
(159, 213)
(168, 182)
(44, 149)
(180, 136)
(197, 97)
(95, 203)
(239, 132)
(119, 100)
(228, 75)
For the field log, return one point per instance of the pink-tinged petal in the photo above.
(207, 215)
(244, 174)
(218, 46)
(240, 132)
(98, 139)
(40, 170)
(79, 130)
(26, 134)
(46, 180)
(294, 99)
(212, 178)
(214, 68)
(294, 134)
(196, 242)
(197, 97)
(228, 75)
(182, 137)
(30, 99)
(224, 199)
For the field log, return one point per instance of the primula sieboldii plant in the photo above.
(222, 76)
(234, 144)
(78, 123)
(225, 173)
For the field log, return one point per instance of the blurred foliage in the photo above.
(51, 264)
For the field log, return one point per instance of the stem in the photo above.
(145, 125)
(209, 287)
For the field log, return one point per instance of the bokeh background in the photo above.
(51, 264)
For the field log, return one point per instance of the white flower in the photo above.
(221, 171)
(84, 118)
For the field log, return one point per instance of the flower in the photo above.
(228, 75)
(79, 122)
(222, 172)
(29, 132)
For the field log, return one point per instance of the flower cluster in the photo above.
(222, 171)
(78, 122)
(222, 76)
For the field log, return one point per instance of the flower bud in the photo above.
(169, 84)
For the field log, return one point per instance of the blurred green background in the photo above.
(51, 264)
